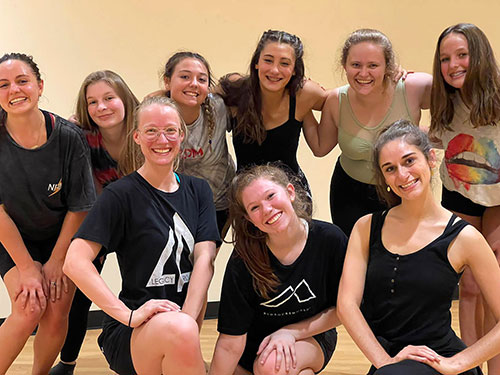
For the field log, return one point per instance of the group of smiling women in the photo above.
(168, 191)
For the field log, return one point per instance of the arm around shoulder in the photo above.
(418, 89)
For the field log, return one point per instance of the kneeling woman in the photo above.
(162, 227)
(404, 264)
(277, 313)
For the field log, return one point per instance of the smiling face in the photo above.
(454, 58)
(189, 83)
(19, 87)
(269, 205)
(365, 67)
(162, 120)
(405, 168)
(104, 105)
(275, 66)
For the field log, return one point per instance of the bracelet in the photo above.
(130, 318)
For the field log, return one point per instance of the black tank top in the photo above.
(281, 144)
(407, 298)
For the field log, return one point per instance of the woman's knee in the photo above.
(175, 328)
(406, 367)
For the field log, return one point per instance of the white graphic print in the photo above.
(302, 292)
(181, 232)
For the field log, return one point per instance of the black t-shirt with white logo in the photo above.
(153, 234)
(307, 287)
(39, 186)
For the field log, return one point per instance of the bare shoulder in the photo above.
(418, 82)
(311, 95)
(469, 246)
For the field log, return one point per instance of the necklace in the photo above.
(38, 139)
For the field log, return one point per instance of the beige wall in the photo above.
(70, 39)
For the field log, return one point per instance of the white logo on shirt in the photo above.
(181, 232)
(302, 292)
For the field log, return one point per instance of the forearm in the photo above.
(321, 322)
(79, 268)
(11, 239)
(199, 282)
(71, 223)
(228, 351)
(361, 333)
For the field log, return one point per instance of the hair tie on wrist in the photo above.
(130, 318)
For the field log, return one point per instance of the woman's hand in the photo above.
(284, 344)
(31, 292)
(150, 309)
(420, 353)
(55, 279)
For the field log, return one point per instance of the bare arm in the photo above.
(79, 268)
(351, 292)
(471, 249)
(31, 286)
(418, 94)
(228, 351)
(204, 256)
(54, 277)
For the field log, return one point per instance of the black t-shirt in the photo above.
(307, 287)
(153, 234)
(39, 186)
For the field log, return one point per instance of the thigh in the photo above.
(114, 342)
(406, 367)
(309, 356)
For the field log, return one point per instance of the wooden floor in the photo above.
(346, 360)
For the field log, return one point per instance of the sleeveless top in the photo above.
(281, 144)
(471, 163)
(356, 140)
(407, 298)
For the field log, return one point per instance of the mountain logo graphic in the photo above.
(302, 292)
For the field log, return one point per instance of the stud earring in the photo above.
(388, 188)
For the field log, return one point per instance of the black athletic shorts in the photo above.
(40, 251)
(456, 202)
(114, 342)
(326, 340)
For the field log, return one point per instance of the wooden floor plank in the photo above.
(347, 360)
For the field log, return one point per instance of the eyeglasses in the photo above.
(152, 134)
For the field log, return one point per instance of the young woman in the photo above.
(403, 264)
(46, 188)
(104, 109)
(187, 78)
(277, 313)
(354, 114)
(465, 111)
(268, 106)
(162, 227)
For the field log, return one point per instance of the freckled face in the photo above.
(269, 205)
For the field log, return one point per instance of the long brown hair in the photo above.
(481, 89)
(130, 156)
(412, 135)
(249, 241)
(244, 93)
